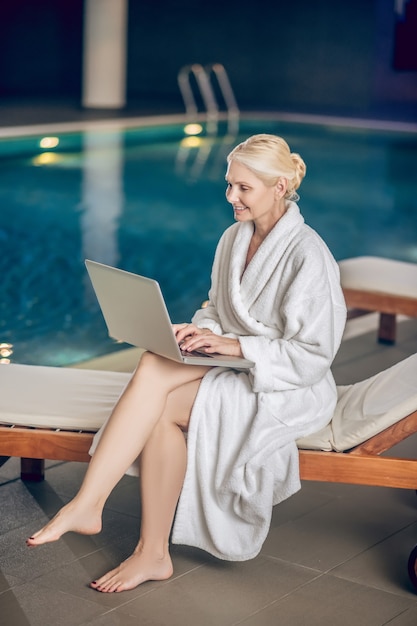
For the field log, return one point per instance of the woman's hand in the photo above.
(192, 338)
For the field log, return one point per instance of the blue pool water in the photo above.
(151, 201)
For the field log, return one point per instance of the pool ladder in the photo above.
(202, 79)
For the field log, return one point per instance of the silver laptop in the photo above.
(135, 312)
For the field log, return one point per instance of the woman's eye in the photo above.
(241, 187)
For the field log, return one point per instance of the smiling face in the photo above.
(251, 199)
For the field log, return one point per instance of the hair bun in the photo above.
(300, 169)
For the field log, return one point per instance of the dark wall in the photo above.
(40, 47)
(301, 52)
(333, 56)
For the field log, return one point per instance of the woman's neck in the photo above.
(263, 226)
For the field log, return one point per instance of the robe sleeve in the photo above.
(208, 318)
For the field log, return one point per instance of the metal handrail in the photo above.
(203, 83)
(202, 76)
(200, 152)
(218, 70)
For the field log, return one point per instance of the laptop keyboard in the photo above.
(196, 353)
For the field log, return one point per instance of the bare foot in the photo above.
(137, 569)
(70, 518)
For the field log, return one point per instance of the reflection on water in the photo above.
(146, 202)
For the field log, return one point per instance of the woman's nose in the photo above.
(231, 195)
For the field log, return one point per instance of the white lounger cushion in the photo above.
(78, 399)
(378, 275)
(368, 407)
(54, 397)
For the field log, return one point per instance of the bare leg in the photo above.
(127, 431)
(163, 464)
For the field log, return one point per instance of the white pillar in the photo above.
(104, 56)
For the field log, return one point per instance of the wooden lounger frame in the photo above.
(360, 302)
(361, 465)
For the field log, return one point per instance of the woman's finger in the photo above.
(184, 331)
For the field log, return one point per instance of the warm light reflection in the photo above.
(46, 158)
(193, 129)
(191, 142)
(49, 142)
(6, 351)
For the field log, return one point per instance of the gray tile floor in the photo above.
(335, 554)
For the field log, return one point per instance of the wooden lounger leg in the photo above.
(387, 328)
(32, 469)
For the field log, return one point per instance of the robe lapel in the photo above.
(246, 288)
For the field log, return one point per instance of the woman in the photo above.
(275, 299)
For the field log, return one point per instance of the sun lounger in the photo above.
(53, 413)
(382, 285)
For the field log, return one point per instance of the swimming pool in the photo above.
(151, 200)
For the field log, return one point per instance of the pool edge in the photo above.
(178, 118)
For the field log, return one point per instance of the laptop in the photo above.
(135, 312)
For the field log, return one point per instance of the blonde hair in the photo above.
(269, 157)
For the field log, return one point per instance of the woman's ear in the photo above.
(281, 187)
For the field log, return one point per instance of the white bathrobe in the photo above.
(288, 310)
